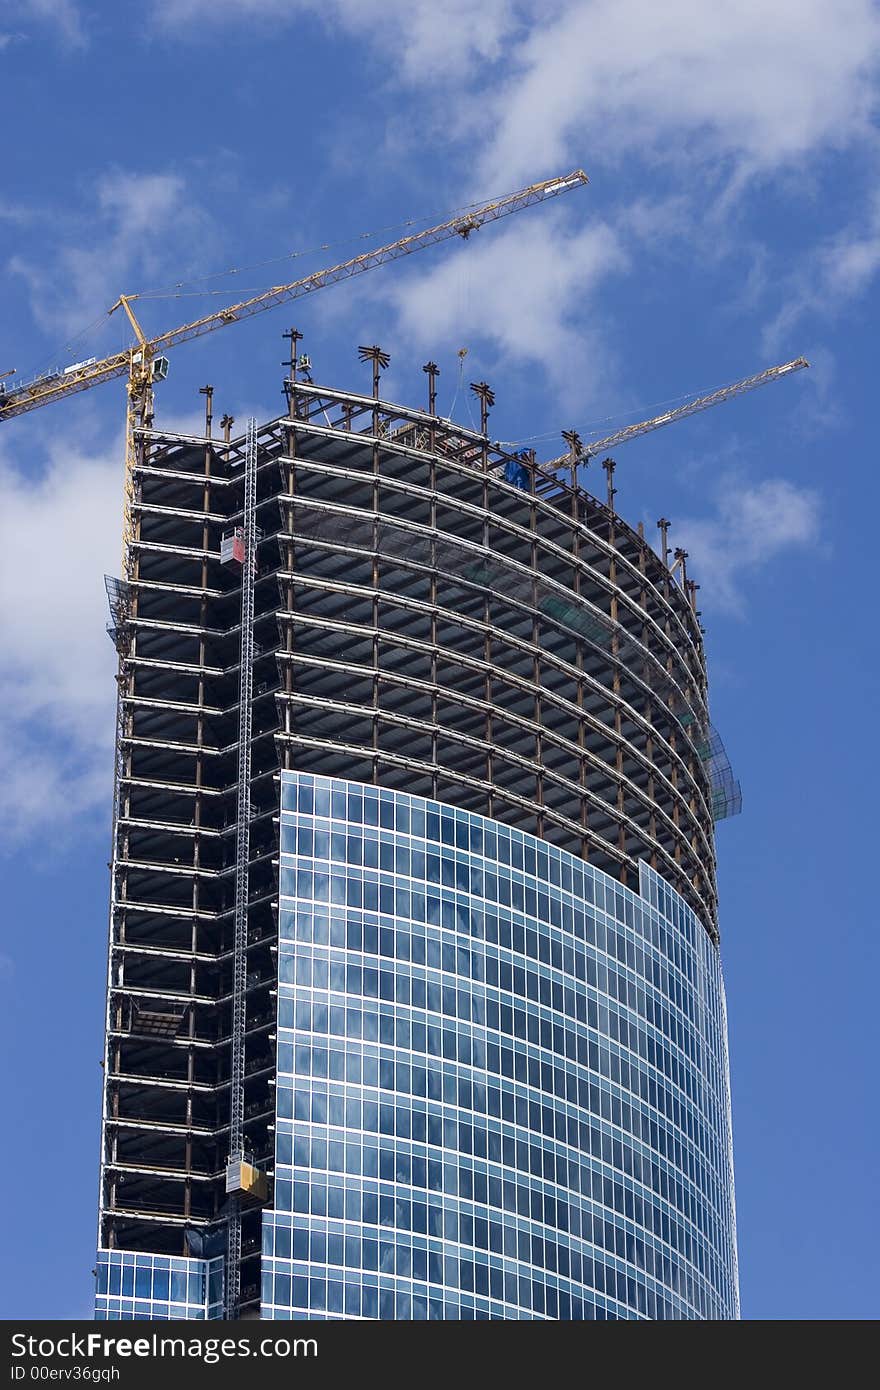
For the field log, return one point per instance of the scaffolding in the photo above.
(726, 790)
(242, 878)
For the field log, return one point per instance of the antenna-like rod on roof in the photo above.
(379, 360)
(295, 338)
(486, 396)
(609, 465)
(663, 526)
(575, 450)
(433, 372)
(680, 558)
(208, 393)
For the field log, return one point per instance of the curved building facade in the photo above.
(502, 1077)
(458, 623)
(479, 1025)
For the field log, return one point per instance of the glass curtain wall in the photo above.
(502, 1086)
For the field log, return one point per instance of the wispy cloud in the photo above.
(718, 98)
(522, 292)
(752, 525)
(716, 95)
(830, 277)
(450, 38)
(136, 224)
(60, 533)
(56, 683)
(755, 83)
(758, 84)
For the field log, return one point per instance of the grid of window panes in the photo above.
(502, 1078)
(160, 1288)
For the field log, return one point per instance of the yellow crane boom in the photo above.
(136, 360)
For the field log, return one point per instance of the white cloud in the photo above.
(420, 39)
(524, 290)
(711, 96)
(575, 80)
(831, 277)
(60, 533)
(852, 261)
(684, 80)
(58, 536)
(753, 524)
(534, 87)
(138, 223)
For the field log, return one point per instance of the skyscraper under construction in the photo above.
(415, 1006)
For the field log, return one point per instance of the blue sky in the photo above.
(732, 221)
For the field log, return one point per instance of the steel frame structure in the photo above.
(418, 620)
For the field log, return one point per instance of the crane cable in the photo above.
(171, 291)
(180, 290)
(462, 354)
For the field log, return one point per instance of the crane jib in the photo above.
(590, 449)
(56, 385)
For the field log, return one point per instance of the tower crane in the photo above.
(144, 362)
(579, 452)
